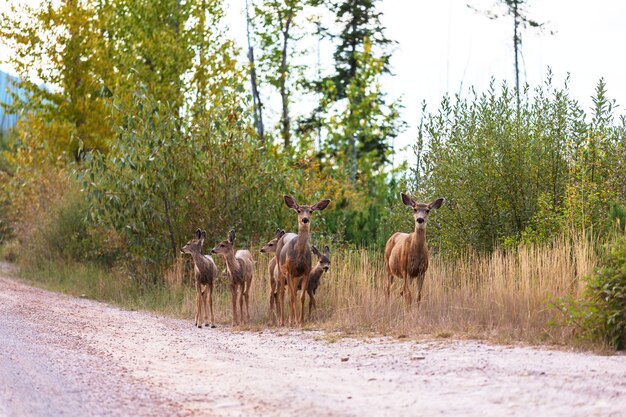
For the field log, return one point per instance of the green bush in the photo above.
(601, 314)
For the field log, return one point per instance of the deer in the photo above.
(240, 269)
(323, 264)
(406, 254)
(205, 272)
(293, 256)
(270, 247)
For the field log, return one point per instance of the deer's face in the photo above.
(225, 246)
(270, 247)
(323, 259)
(421, 210)
(305, 212)
(195, 245)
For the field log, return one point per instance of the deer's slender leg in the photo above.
(211, 304)
(233, 296)
(205, 305)
(247, 295)
(198, 305)
(291, 285)
(311, 302)
(406, 291)
(420, 283)
(242, 318)
(305, 286)
(280, 300)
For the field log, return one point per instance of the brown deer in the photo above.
(293, 256)
(406, 254)
(205, 272)
(240, 268)
(323, 264)
(270, 247)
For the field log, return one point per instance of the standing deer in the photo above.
(240, 268)
(293, 256)
(406, 254)
(323, 263)
(270, 247)
(205, 271)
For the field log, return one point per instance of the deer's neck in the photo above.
(418, 241)
(198, 259)
(231, 261)
(302, 245)
(316, 272)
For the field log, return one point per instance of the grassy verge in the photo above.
(503, 297)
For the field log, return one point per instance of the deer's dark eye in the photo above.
(414, 210)
(427, 211)
(222, 245)
(271, 244)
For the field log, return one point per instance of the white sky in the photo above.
(445, 47)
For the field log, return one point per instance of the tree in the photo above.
(515, 8)
(361, 58)
(275, 23)
(60, 44)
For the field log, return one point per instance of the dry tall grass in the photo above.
(504, 296)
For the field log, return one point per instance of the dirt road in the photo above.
(61, 356)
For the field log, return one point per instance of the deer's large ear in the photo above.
(291, 203)
(279, 233)
(315, 251)
(436, 204)
(320, 205)
(198, 233)
(231, 236)
(408, 201)
(203, 234)
(327, 251)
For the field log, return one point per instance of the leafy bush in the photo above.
(525, 173)
(601, 314)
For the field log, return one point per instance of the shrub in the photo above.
(601, 314)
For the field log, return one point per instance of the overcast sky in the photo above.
(445, 47)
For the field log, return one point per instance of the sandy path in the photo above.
(61, 356)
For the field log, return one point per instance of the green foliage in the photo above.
(601, 313)
(510, 174)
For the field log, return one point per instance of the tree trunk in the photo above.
(286, 128)
(256, 97)
(516, 42)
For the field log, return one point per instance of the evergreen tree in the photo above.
(361, 131)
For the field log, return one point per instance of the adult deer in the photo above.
(293, 256)
(205, 271)
(406, 254)
(323, 264)
(240, 268)
(270, 247)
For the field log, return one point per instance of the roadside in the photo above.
(67, 356)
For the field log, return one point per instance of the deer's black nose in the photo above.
(325, 269)
(420, 220)
(305, 220)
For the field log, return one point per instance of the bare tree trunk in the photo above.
(256, 97)
(285, 122)
(516, 42)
